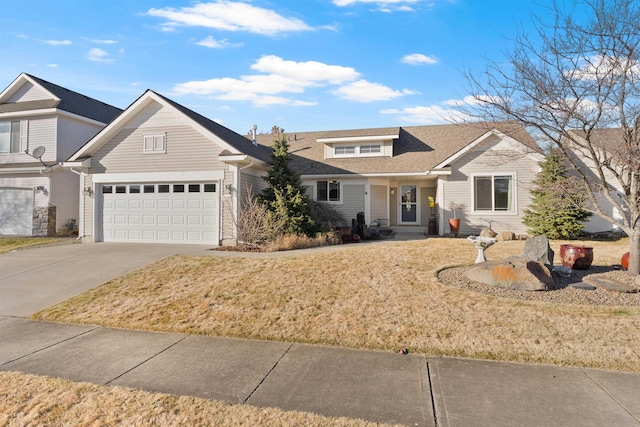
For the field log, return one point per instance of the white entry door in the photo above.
(16, 211)
(185, 212)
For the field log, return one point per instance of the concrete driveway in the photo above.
(36, 278)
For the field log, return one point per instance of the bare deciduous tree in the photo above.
(576, 85)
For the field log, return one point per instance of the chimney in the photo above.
(253, 134)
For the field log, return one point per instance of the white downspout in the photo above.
(81, 204)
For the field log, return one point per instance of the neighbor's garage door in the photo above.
(167, 213)
(16, 211)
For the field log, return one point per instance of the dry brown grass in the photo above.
(377, 296)
(28, 400)
(8, 244)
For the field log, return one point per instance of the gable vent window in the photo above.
(154, 144)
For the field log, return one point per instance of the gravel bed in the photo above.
(562, 293)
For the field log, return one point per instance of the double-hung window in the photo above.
(328, 191)
(494, 193)
(11, 140)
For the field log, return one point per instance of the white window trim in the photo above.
(23, 136)
(472, 204)
(155, 149)
(357, 152)
(335, 202)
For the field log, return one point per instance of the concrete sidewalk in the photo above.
(372, 385)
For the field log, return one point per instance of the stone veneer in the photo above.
(44, 221)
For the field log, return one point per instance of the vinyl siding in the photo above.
(73, 134)
(29, 92)
(352, 201)
(393, 206)
(379, 196)
(42, 132)
(482, 161)
(88, 210)
(251, 181)
(425, 209)
(65, 193)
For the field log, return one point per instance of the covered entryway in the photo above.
(185, 212)
(16, 211)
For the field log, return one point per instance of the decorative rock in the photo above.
(612, 285)
(519, 273)
(487, 232)
(582, 286)
(538, 249)
(506, 235)
(562, 271)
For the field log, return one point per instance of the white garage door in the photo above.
(16, 211)
(167, 213)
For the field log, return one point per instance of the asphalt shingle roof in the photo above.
(70, 101)
(417, 150)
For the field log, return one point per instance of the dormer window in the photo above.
(344, 150)
(357, 150)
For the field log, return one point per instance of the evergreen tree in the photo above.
(557, 201)
(285, 197)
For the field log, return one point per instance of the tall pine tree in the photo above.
(557, 202)
(285, 197)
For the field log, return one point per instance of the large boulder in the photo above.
(538, 249)
(518, 273)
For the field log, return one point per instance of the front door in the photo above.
(408, 204)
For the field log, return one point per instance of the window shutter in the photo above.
(148, 143)
(158, 144)
(24, 135)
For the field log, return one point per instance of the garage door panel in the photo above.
(189, 216)
(16, 211)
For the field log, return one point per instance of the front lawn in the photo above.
(8, 244)
(378, 296)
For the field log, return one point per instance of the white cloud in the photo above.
(229, 16)
(419, 58)
(428, 115)
(217, 44)
(308, 72)
(99, 55)
(52, 65)
(387, 6)
(364, 91)
(57, 42)
(276, 76)
(102, 41)
(279, 77)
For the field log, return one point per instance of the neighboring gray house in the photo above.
(42, 124)
(162, 173)
(390, 174)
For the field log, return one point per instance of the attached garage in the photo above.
(183, 212)
(16, 211)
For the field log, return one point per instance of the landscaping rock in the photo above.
(487, 232)
(612, 285)
(519, 273)
(506, 235)
(583, 286)
(538, 249)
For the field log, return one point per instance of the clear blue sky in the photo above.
(301, 64)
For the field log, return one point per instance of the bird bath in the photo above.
(481, 243)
